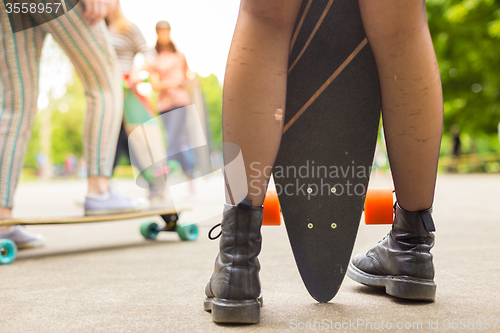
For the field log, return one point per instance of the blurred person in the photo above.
(69, 165)
(43, 165)
(128, 40)
(82, 35)
(456, 148)
(82, 168)
(169, 77)
(255, 87)
(457, 144)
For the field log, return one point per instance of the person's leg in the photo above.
(253, 116)
(19, 59)
(175, 123)
(19, 69)
(93, 57)
(89, 49)
(121, 146)
(255, 87)
(412, 113)
(412, 101)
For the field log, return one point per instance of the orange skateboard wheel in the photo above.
(379, 206)
(272, 213)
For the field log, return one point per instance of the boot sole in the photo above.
(234, 311)
(397, 286)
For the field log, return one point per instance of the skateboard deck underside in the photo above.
(164, 213)
(331, 125)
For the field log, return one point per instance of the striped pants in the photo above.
(94, 59)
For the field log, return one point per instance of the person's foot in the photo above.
(157, 197)
(23, 238)
(401, 262)
(233, 292)
(113, 203)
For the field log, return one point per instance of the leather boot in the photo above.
(401, 262)
(233, 293)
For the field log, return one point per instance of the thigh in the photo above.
(88, 47)
(19, 69)
(19, 64)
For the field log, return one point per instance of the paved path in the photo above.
(106, 278)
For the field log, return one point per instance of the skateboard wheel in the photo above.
(149, 230)
(379, 206)
(8, 251)
(272, 214)
(187, 232)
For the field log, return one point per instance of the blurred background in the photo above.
(466, 36)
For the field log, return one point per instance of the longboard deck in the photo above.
(148, 230)
(91, 219)
(331, 124)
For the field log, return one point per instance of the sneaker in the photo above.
(158, 198)
(113, 203)
(23, 238)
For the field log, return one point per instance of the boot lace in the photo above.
(211, 230)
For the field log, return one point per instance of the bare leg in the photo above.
(98, 185)
(5, 213)
(411, 95)
(255, 86)
(252, 118)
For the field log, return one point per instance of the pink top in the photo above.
(172, 67)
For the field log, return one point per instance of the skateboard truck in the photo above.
(378, 208)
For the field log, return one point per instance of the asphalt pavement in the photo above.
(104, 277)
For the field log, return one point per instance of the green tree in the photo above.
(466, 35)
(67, 114)
(212, 92)
(67, 123)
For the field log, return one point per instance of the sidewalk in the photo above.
(105, 278)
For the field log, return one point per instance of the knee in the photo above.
(273, 13)
(392, 22)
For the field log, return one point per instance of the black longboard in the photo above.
(331, 125)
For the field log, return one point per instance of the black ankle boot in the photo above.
(233, 293)
(401, 262)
